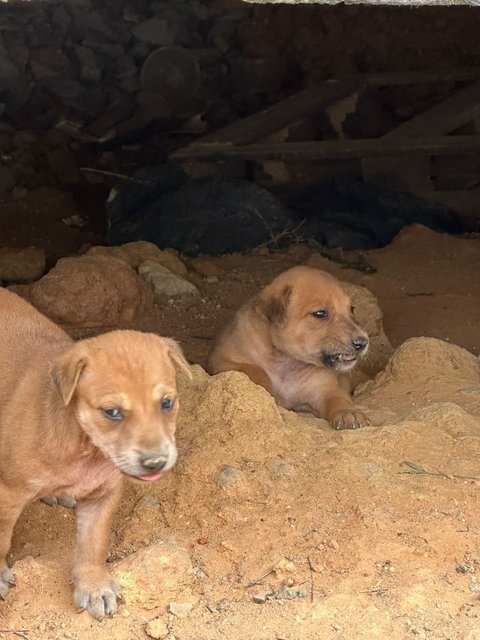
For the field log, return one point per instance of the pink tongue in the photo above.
(347, 357)
(151, 476)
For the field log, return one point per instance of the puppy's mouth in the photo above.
(150, 477)
(343, 360)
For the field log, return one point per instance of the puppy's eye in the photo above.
(321, 314)
(113, 414)
(167, 404)
(352, 310)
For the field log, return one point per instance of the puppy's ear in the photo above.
(176, 354)
(66, 373)
(274, 305)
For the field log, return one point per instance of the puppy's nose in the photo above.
(359, 343)
(153, 460)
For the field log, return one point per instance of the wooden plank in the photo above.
(405, 78)
(334, 149)
(443, 118)
(283, 113)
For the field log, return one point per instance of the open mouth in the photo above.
(149, 477)
(145, 477)
(335, 360)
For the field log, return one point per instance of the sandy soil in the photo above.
(263, 499)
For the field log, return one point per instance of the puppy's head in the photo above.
(122, 388)
(310, 319)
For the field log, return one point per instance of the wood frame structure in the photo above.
(404, 153)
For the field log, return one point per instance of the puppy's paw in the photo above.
(7, 580)
(99, 598)
(52, 501)
(349, 419)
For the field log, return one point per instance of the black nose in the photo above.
(153, 461)
(360, 343)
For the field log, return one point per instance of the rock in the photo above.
(96, 291)
(370, 317)
(257, 75)
(180, 609)
(91, 24)
(156, 629)
(228, 475)
(164, 282)
(154, 576)
(279, 467)
(286, 593)
(61, 19)
(174, 73)
(64, 166)
(7, 179)
(262, 596)
(134, 253)
(21, 265)
(90, 70)
(8, 70)
(167, 27)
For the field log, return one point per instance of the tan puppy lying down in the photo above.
(74, 419)
(297, 339)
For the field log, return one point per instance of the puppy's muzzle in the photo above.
(345, 357)
(360, 343)
(153, 460)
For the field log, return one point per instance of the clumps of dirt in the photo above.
(273, 525)
(368, 313)
(414, 372)
(273, 521)
(92, 291)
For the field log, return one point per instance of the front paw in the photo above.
(7, 580)
(97, 596)
(349, 419)
(52, 501)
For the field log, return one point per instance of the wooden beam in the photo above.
(291, 109)
(333, 149)
(405, 78)
(444, 117)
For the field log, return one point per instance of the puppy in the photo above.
(74, 419)
(298, 338)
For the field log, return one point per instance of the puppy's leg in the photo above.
(341, 412)
(94, 589)
(11, 506)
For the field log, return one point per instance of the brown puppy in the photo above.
(74, 419)
(297, 339)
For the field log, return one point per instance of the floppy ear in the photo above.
(66, 373)
(176, 354)
(274, 306)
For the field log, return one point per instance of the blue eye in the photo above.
(113, 414)
(321, 314)
(167, 404)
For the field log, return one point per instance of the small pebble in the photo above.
(227, 475)
(286, 593)
(222, 606)
(262, 596)
(156, 629)
(201, 575)
(474, 586)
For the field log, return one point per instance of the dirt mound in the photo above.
(273, 525)
(96, 291)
